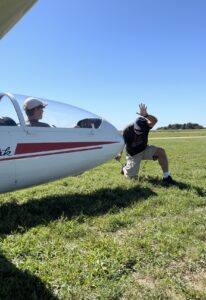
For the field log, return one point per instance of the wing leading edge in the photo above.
(11, 11)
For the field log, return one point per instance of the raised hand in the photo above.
(142, 110)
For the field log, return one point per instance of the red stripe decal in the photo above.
(53, 153)
(41, 147)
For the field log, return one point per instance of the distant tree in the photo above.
(177, 126)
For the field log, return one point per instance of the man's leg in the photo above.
(131, 169)
(161, 156)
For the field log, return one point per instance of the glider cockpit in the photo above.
(75, 141)
(56, 114)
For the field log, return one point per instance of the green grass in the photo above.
(102, 236)
(178, 133)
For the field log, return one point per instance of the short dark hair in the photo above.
(30, 112)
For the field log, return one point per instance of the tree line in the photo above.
(181, 126)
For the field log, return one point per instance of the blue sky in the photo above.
(107, 56)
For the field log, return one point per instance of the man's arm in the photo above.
(119, 156)
(152, 120)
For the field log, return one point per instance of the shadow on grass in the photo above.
(20, 217)
(20, 285)
(179, 184)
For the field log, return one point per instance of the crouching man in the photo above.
(137, 149)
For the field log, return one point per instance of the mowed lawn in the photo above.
(102, 236)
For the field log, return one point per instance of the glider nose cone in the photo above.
(114, 136)
(119, 139)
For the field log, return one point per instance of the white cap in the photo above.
(32, 102)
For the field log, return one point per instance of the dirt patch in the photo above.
(197, 280)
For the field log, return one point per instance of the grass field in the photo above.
(102, 236)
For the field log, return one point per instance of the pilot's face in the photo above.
(38, 113)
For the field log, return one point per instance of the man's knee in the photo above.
(159, 153)
(131, 169)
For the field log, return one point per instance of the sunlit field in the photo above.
(102, 236)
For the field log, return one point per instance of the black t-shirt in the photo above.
(36, 123)
(135, 143)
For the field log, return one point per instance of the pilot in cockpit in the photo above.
(34, 110)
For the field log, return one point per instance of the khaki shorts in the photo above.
(133, 162)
